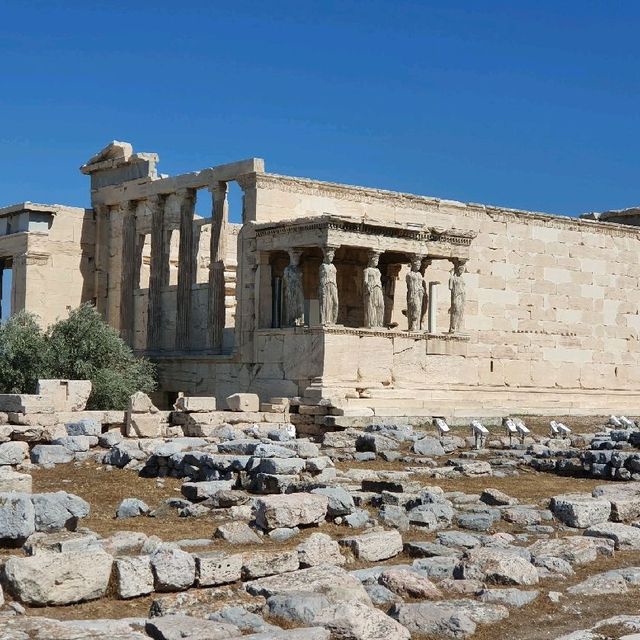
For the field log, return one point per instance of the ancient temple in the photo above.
(353, 302)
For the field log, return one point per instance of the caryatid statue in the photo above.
(328, 289)
(373, 294)
(458, 297)
(415, 294)
(293, 292)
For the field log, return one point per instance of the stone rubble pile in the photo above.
(613, 453)
(310, 538)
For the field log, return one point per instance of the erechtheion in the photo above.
(355, 301)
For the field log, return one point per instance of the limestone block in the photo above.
(356, 620)
(625, 500)
(195, 404)
(24, 403)
(428, 619)
(11, 480)
(290, 510)
(624, 536)
(84, 427)
(499, 566)
(140, 402)
(12, 453)
(176, 627)
(51, 454)
(59, 578)
(133, 575)
(580, 510)
(243, 402)
(59, 510)
(66, 395)
(378, 545)
(17, 516)
(333, 582)
(59, 542)
(214, 568)
(143, 425)
(173, 568)
(260, 564)
(319, 549)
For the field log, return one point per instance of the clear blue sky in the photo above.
(529, 104)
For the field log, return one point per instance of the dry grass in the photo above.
(545, 620)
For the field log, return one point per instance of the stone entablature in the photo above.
(330, 230)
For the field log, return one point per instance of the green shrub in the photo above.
(83, 346)
(23, 354)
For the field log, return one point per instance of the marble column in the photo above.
(328, 288)
(101, 258)
(19, 283)
(373, 295)
(159, 269)
(186, 262)
(293, 292)
(217, 310)
(389, 289)
(128, 275)
(433, 306)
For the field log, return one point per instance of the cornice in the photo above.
(438, 205)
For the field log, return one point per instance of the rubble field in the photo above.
(256, 531)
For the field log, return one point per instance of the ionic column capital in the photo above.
(247, 181)
(219, 188)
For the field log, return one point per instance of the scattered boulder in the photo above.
(428, 446)
(59, 510)
(132, 508)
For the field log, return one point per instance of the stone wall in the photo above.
(52, 258)
(552, 302)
